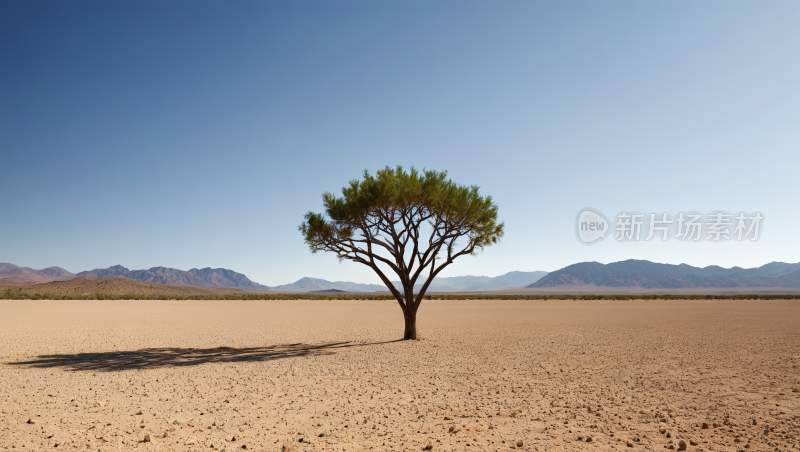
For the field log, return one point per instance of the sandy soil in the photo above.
(328, 375)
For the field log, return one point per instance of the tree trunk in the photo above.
(411, 326)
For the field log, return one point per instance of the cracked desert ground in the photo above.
(330, 375)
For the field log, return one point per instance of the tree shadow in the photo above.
(152, 358)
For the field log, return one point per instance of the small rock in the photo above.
(139, 413)
(681, 444)
(321, 435)
(629, 443)
(663, 430)
(519, 443)
(244, 446)
(692, 442)
(31, 421)
(669, 435)
(755, 422)
(300, 440)
(589, 439)
(428, 447)
(190, 442)
(705, 426)
(146, 439)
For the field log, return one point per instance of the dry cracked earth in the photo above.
(331, 376)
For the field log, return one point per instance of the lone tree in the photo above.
(410, 223)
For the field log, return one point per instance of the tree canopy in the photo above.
(409, 223)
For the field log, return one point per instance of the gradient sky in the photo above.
(197, 134)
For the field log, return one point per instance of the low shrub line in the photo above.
(12, 294)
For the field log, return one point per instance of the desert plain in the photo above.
(332, 376)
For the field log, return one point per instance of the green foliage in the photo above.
(11, 294)
(393, 195)
(406, 222)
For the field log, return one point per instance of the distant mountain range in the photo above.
(11, 273)
(203, 277)
(448, 284)
(626, 274)
(223, 278)
(651, 275)
(509, 280)
(315, 285)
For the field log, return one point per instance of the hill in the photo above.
(509, 280)
(13, 274)
(204, 277)
(307, 284)
(117, 285)
(650, 275)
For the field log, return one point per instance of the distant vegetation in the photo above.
(16, 294)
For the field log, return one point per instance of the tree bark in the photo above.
(411, 326)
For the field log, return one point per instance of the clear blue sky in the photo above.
(197, 134)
